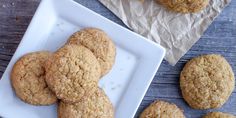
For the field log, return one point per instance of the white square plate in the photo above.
(137, 59)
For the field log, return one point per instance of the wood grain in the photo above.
(219, 38)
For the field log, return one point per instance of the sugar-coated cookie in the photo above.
(184, 6)
(28, 79)
(73, 73)
(99, 43)
(162, 109)
(207, 81)
(96, 106)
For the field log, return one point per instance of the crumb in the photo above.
(119, 86)
(121, 69)
(116, 87)
(113, 88)
(128, 58)
(4, 6)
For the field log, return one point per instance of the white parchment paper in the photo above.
(176, 32)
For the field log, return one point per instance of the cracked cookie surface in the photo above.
(96, 106)
(207, 81)
(28, 79)
(72, 73)
(184, 6)
(162, 109)
(99, 43)
(219, 115)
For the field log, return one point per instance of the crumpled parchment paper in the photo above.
(176, 32)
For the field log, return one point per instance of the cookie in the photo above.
(207, 81)
(72, 73)
(99, 43)
(28, 79)
(184, 6)
(95, 106)
(219, 115)
(162, 109)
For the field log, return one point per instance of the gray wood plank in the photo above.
(15, 18)
(220, 38)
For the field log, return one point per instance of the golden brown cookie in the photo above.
(162, 109)
(73, 73)
(141, 1)
(95, 106)
(184, 6)
(219, 115)
(28, 79)
(207, 81)
(99, 43)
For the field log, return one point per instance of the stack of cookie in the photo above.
(70, 74)
(206, 82)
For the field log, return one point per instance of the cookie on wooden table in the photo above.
(184, 6)
(28, 79)
(207, 81)
(72, 73)
(162, 109)
(219, 115)
(96, 106)
(99, 43)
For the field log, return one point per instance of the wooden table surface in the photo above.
(220, 38)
